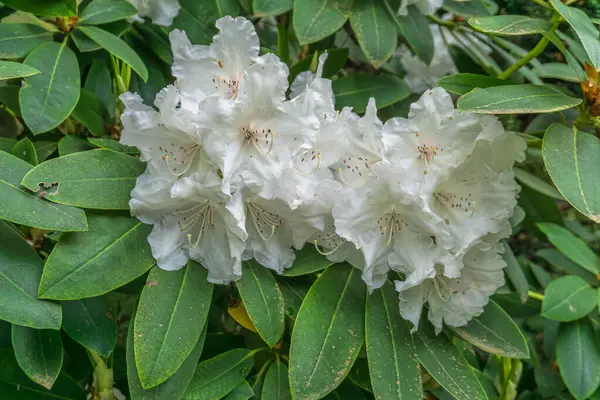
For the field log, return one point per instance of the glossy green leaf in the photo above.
(516, 99)
(271, 7)
(22, 207)
(568, 298)
(495, 332)
(112, 253)
(91, 113)
(537, 184)
(172, 388)
(390, 348)
(17, 40)
(472, 8)
(446, 365)
(294, 293)
(44, 148)
(356, 89)
(316, 19)
(73, 144)
(571, 246)
(216, 377)
(584, 29)
(91, 323)
(157, 40)
(46, 8)
(48, 98)
(99, 179)
(243, 391)
(308, 260)
(328, 332)
(414, 28)
(6, 144)
(112, 144)
(20, 272)
(113, 44)
(510, 25)
(464, 83)
(557, 71)
(25, 150)
(277, 384)
(562, 263)
(374, 29)
(39, 353)
(169, 320)
(572, 159)
(263, 301)
(104, 11)
(578, 357)
(99, 82)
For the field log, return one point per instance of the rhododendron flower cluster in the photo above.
(238, 170)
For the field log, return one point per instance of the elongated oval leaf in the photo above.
(390, 348)
(510, 25)
(537, 184)
(515, 273)
(571, 246)
(17, 40)
(25, 150)
(172, 388)
(271, 7)
(328, 332)
(572, 159)
(308, 260)
(563, 263)
(277, 384)
(216, 377)
(100, 179)
(516, 99)
(112, 144)
(557, 71)
(169, 320)
(315, 19)
(112, 253)
(20, 272)
(12, 70)
(568, 298)
(48, 98)
(99, 82)
(91, 113)
(52, 8)
(464, 83)
(471, 8)
(495, 332)
(374, 29)
(73, 144)
(243, 391)
(104, 11)
(263, 301)
(39, 353)
(356, 89)
(578, 357)
(414, 27)
(115, 45)
(90, 323)
(446, 365)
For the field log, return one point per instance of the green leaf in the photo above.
(6, 144)
(515, 273)
(172, 388)
(99, 82)
(91, 113)
(572, 159)
(562, 263)
(17, 40)
(374, 29)
(98, 179)
(39, 353)
(356, 89)
(25, 151)
(263, 301)
(537, 184)
(568, 298)
(294, 293)
(91, 323)
(113, 44)
(216, 377)
(22, 207)
(583, 27)
(112, 253)
(446, 365)
(47, 8)
(316, 19)
(271, 7)
(73, 144)
(472, 8)
(48, 98)
(571, 246)
(464, 83)
(112, 144)
(20, 272)
(578, 357)
(516, 99)
(44, 148)
(495, 332)
(414, 28)
(390, 348)
(243, 391)
(277, 385)
(510, 25)
(9, 96)
(169, 321)
(103, 11)
(197, 19)
(328, 332)
(157, 40)
(557, 71)
(308, 260)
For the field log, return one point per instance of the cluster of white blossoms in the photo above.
(236, 170)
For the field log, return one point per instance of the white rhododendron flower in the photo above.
(161, 12)
(237, 170)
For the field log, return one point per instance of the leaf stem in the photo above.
(103, 377)
(440, 21)
(535, 295)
